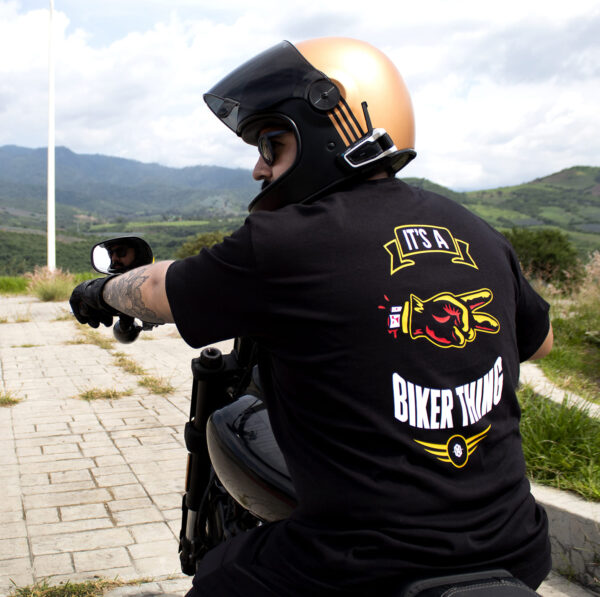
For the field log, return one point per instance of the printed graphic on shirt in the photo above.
(457, 450)
(446, 408)
(446, 319)
(449, 408)
(414, 239)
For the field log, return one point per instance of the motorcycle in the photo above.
(236, 477)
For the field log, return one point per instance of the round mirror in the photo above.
(119, 255)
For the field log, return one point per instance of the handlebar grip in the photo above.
(126, 330)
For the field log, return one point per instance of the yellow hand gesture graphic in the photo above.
(447, 319)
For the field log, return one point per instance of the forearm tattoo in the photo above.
(124, 293)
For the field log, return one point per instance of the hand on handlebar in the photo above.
(88, 306)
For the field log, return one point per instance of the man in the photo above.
(390, 324)
(121, 257)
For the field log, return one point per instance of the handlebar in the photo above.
(126, 330)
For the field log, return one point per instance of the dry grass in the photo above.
(8, 399)
(127, 364)
(90, 336)
(90, 588)
(49, 285)
(156, 385)
(107, 394)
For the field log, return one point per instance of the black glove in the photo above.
(87, 303)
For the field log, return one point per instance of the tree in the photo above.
(199, 242)
(548, 254)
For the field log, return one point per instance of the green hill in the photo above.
(105, 196)
(569, 200)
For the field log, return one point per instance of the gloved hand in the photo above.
(87, 303)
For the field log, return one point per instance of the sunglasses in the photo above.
(119, 251)
(265, 147)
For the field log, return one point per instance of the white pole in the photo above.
(51, 124)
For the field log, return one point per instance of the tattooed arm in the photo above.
(141, 293)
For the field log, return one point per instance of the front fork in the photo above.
(212, 374)
(217, 382)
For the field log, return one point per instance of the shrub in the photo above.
(548, 254)
(50, 285)
(12, 285)
(199, 242)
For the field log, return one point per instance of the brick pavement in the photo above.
(93, 488)
(89, 487)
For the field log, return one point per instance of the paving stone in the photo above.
(70, 476)
(42, 515)
(158, 566)
(137, 516)
(80, 512)
(53, 565)
(12, 516)
(10, 530)
(153, 549)
(166, 501)
(101, 559)
(132, 504)
(109, 460)
(116, 480)
(110, 470)
(146, 533)
(19, 579)
(35, 479)
(57, 465)
(72, 448)
(13, 548)
(124, 492)
(68, 498)
(33, 490)
(72, 526)
(84, 541)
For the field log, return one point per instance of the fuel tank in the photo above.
(247, 459)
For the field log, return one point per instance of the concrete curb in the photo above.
(574, 534)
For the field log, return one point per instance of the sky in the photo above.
(503, 92)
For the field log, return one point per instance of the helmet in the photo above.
(344, 100)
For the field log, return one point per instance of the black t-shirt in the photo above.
(391, 323)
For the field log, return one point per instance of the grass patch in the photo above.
(91, 336)
(8, 399)
(25, 345)
(13, 285)
(574, 362)
(90, 588)
(156, 385)
(98, 394)
(49, 285)
(127, 364)
(64, 315)
(561, 444)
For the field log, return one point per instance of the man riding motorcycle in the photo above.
(390, 323)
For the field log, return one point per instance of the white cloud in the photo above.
(502, 93)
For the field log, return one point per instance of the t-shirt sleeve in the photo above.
(216, 294)
(532, 318)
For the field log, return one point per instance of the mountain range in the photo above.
(94, 190)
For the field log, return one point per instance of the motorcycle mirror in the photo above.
(119, 255)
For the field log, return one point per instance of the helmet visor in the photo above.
(277, 74)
